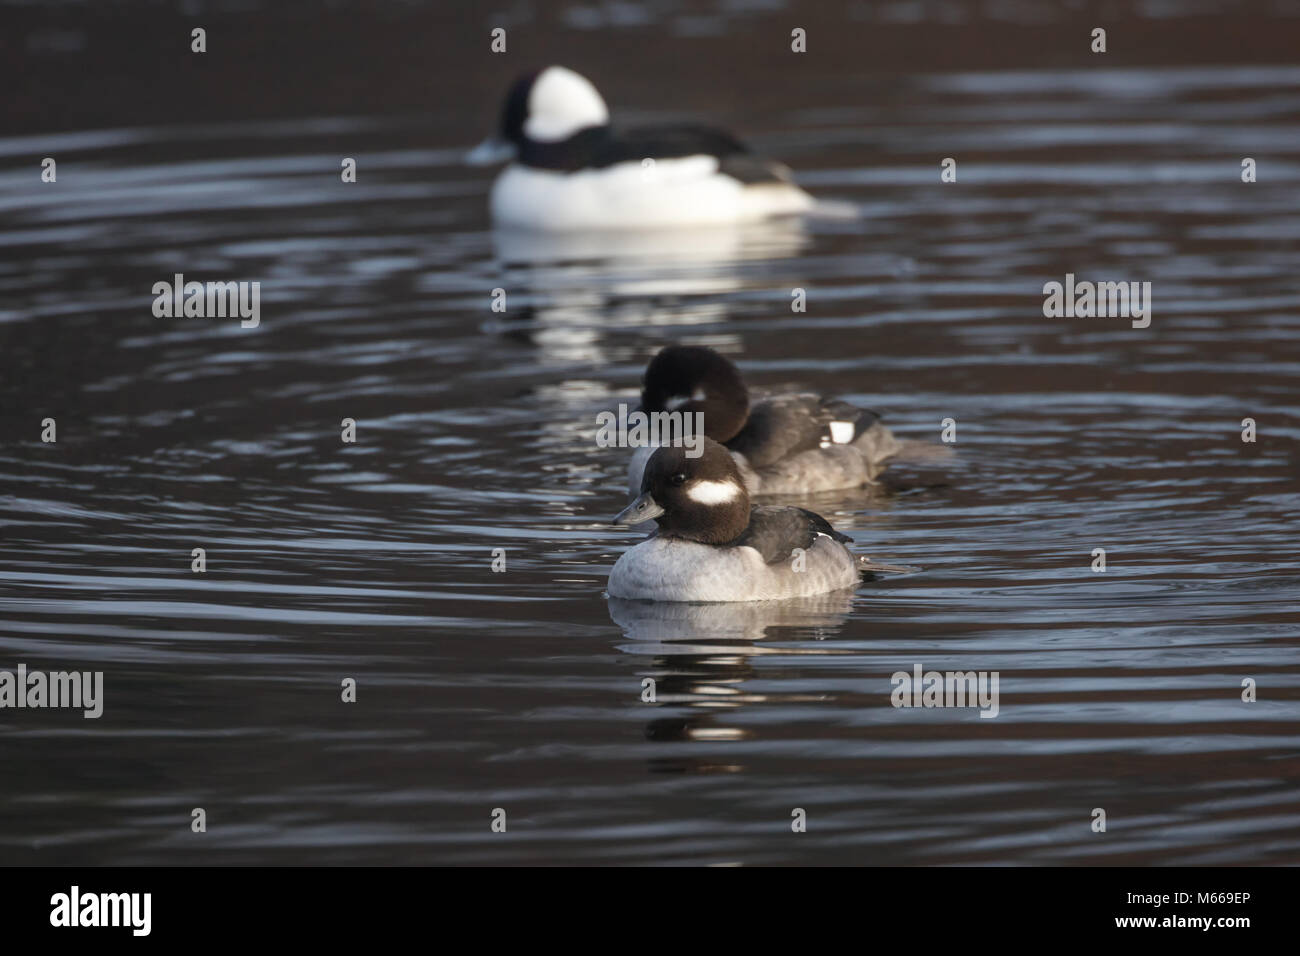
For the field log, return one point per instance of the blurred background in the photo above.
(522, 690)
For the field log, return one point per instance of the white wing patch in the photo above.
(842, 432)
(713, 492)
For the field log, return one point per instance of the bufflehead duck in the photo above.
(571, 170)
(782, 445)
(711, 545)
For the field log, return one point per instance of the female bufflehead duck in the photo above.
(782, 445)
(571, 170)
(712, 546)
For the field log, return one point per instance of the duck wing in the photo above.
(774, 532)
(785, 425)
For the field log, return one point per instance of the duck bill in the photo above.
(490, 152)
(643, 509)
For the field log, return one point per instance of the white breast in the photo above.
(668, 569)
(672, 192)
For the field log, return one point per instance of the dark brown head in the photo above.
(701, 499)
(694, 378)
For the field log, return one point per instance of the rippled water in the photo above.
(522, 690)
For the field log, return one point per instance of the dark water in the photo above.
(522, 690)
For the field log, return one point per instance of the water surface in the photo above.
(522, 690)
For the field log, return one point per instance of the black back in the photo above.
(774, 532)
(599, 147)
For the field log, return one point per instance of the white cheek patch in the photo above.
(842, 432)
(551, 129)
(561, 103)
(713, 492)
(677, 401)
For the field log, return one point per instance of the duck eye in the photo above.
(677, 479)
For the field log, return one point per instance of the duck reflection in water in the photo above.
(700, 657)
(566, 291)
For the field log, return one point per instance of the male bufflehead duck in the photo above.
(782, 445)
(571, 170)
(711, 545)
